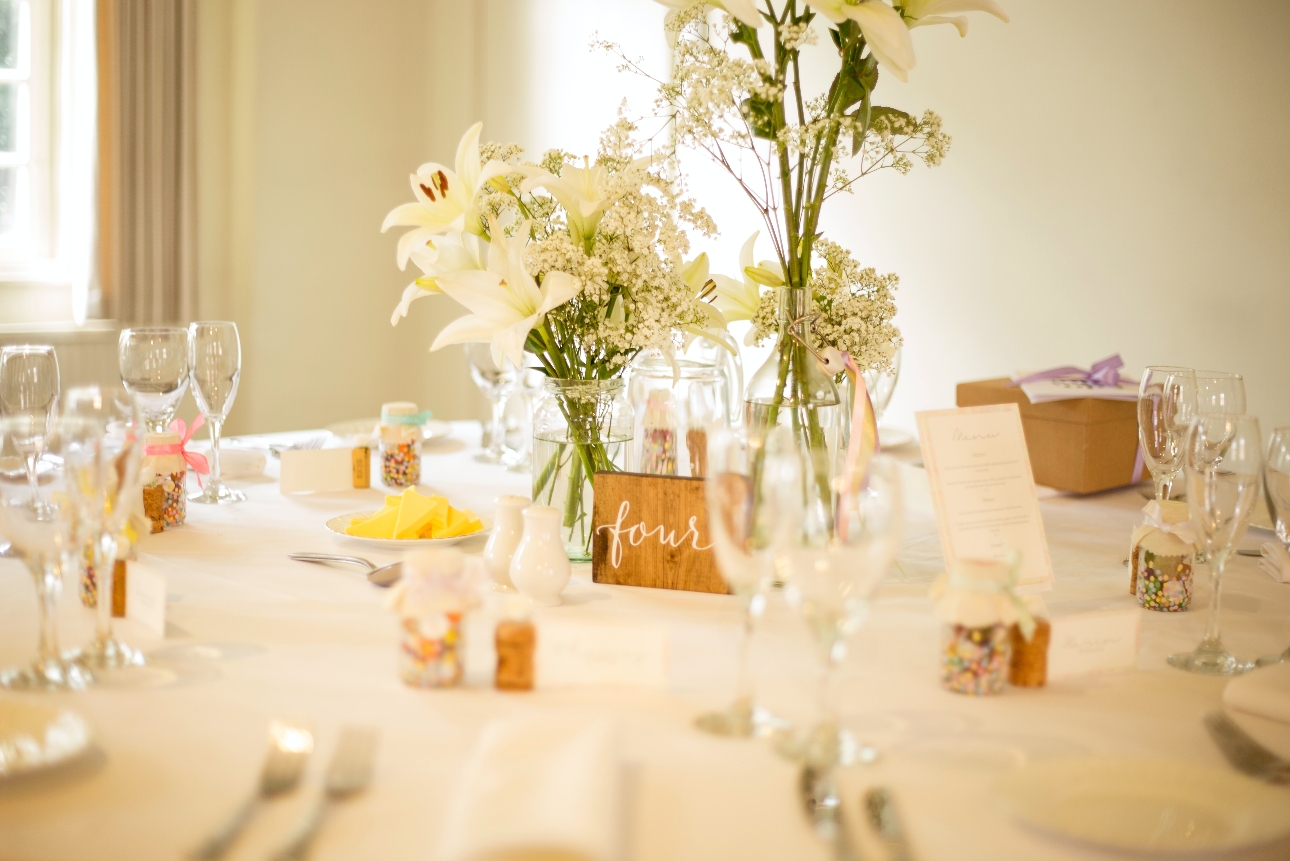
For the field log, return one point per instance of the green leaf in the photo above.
(760, 116)
(890, 113)
(836, 37)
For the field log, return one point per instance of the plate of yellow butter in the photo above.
(411, 519)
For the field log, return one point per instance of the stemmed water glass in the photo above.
(881, 386)
(41, 536)
(751, 483)
(495, 382)
(1166, 404)
(1220, 392)
(830, 574)
(29, 388)
(103, 431)
(216, 360)
(153, 361)
(1276, 487)
(1222, 456)
(528, 386)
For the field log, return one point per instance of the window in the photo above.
(25, 120)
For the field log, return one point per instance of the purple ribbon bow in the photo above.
(1105, 373)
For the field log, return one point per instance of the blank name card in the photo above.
(983, 490)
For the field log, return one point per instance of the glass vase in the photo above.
(580, 427)
(791, 391)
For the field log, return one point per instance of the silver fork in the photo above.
(310, 444)
(349, 772)
(1244, 752)
(289, 749)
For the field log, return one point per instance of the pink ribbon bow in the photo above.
(196, 462)
(1104, 373)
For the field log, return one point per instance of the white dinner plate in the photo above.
(338, 524)
(1144, 805)
(894, 437)
(35, 736)
(433, 429)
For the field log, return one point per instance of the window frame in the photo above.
(28, 253)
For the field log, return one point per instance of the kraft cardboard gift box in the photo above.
(1082, 445)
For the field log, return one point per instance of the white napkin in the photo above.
(1264, 692)
(234, 462)
(1276, 561)
(538, 787)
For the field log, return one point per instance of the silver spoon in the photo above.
(820, 802)
(384, 575)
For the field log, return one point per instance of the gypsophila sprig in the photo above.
(856, 306)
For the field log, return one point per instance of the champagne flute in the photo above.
(1166, 404)
(42, 538)
(216, 360)
(528, 386)
(1223, 456)
(154, 366)
(29, 388)
(751, 484)
(830, 574)
(495, 382)
(1220, 392)
(881, 386)
(103, 431)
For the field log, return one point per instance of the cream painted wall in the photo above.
(1117, 183)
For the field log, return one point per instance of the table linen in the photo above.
(251, 635)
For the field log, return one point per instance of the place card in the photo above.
(314, 470)
(145, 596)
(983, 490)
(1093, 643)
(583, 654)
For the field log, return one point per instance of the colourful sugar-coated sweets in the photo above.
(1164, 582)
(400, 463)
(975, 661)
(174, 507)
(428, 652)
(658, 451)
(411, 515)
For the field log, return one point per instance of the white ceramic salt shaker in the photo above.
(540, 567)
(508, 514)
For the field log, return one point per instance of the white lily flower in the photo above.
(446, 199)
(713, 328)
(919, 13)
(739, 300)
(744, 10)
(505, 301)
(582, 191)
(452, 252)
(884, 30)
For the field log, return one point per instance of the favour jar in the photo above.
(400, 433)
(431, 598)
(674, 405)
(977, 605)
(1161, 558)
(163, 468)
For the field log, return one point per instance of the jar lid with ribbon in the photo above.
(436, 581)
(1168, 517)
(979, 593)
(401, 421)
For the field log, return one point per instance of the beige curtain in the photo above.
(147, 143)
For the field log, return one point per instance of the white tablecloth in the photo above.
(252, 635)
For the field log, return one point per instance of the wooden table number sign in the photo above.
(652, 530)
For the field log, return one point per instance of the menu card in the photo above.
(983, 490)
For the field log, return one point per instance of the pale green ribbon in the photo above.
(414, 420)
(1025, 619)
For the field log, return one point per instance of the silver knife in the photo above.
(882, 815)
(1244, 752)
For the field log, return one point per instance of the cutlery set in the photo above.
(822, 804)
(349, 772)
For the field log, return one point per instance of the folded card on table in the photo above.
(145, 600)
(983, 490)
(315, 470)
(575, 654)
(1264, 692)
(236, 463)
(539, 787)
(1093, 642)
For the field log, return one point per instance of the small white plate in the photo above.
(338, 524)
(34, 737)
(894, 437)
(1144, 805)
(433, 429)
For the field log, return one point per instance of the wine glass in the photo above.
(1222, 456)
(154, 368)
(528, 386)
(881, 386)
(1166, 404)
(1276, 487)
(751, 484)
(829, 576)
(41, 536)
(495, 382)
(1220, 392)
(103, 433)
(215, 354)
(29, 388)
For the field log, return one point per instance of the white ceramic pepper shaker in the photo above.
(540, 567)
(508, 514)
